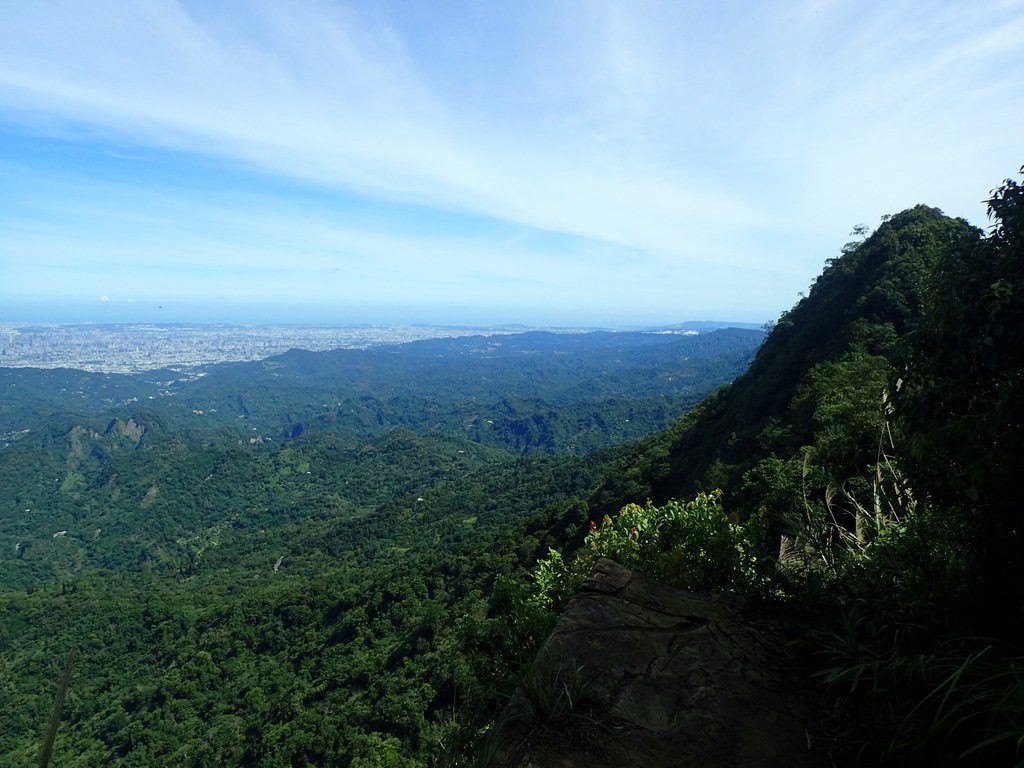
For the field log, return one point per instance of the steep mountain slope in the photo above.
(877, 439)
(843, 336)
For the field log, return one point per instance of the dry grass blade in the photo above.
(46, 752)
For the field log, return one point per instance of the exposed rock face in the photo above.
(130, 430)
(640, 674)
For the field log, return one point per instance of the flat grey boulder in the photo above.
(637, 673)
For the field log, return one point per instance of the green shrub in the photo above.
(689, 544)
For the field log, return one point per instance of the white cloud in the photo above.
(745, 136)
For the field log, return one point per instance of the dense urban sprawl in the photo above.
(127, 348)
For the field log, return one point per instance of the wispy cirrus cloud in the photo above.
(673, 146)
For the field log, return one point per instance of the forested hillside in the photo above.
(526, 392)
(860, 478)
(279, 563)
(816, 383)
(324, 558)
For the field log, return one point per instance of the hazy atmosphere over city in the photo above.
(565, 163)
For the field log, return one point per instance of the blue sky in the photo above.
(601, 163)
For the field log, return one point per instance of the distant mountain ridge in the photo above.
(135, 347)
(522, 385)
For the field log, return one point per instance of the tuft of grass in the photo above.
(974, 708)
(557, 702)
(960, 704)
(558, 692)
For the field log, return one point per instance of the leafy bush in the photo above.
(689, 544)
(693, 545)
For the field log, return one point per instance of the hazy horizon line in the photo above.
(206, 313)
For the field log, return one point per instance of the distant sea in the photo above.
(215, 313)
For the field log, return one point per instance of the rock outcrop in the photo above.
(640, 674)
